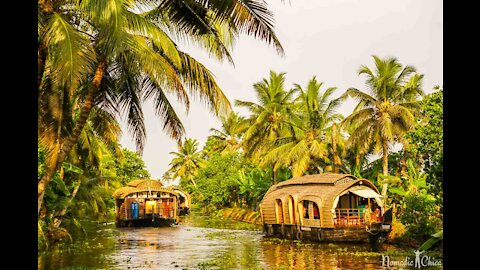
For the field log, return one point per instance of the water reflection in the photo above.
(202, 243)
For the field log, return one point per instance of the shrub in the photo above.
(419, 217)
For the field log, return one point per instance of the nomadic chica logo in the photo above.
(417, 262)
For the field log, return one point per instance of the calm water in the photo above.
(203, 243)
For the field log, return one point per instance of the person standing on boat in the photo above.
(135, 210)
(377, 214)
(132, 208)
(361, 207)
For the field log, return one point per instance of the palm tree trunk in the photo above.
(51, 167)
(357, 161)
(275, 175)
(61, 213)
(385, 168)
(336, 159)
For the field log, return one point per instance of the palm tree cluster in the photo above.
(98, 62)
(109, 56)
(300, 129)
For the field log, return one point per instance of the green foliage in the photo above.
(302, 144)
(436, 237)
(217, 184)
(374, 168)
(413, 183)
(186, 162)
(426, 140)
(420, 217)
(41, 161)
(131, 167)
(228, 139)
(386, 111)
(253, 185)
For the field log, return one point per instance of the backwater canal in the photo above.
(212, 243)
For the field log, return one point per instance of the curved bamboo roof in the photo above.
(141, 185)
(326, 178)
(145, 183)
(320, 188)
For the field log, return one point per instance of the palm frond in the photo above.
(163, 108)
(201, 83)
(72, 56)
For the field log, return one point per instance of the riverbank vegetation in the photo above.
(393, 137)
(98, 61)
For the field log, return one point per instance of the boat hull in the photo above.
(146, 222)
(375, 234)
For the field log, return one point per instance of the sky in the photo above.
(328, 39)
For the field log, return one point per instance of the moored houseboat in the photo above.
(184, 201)
(326, 207)
(145, 202)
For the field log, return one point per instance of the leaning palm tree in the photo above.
(115, 54)
(228, 139)
(187, 161)
(304, 146)
(91, 158)
(386, 112)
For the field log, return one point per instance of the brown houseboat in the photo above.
(146, 202)
(326, 207)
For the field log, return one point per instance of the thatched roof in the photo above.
(320, 188)
(326, 178)
(145, 183)
(141, 185)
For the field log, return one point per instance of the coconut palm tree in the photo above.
(269, 116)
(385, 112)
(228, 139)
(187, 161)
(89, 164)
(305, 145)
(111, 54)
(336, 145)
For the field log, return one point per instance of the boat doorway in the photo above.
(291, 210)
(279, 211)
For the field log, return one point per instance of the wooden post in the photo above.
(348, 216)
(175, 207)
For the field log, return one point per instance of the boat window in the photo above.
(316, 212)
(305, 209)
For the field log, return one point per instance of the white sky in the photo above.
(326, 38)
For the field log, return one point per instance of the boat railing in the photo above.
(165, 212)
(349, 217)
(355, 217)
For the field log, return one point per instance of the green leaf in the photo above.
(438, 236)
(71, 168)
(62, 187)
(397, 190)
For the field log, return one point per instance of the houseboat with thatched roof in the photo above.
(326, 207)
(146, 202)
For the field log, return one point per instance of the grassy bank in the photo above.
(241, 214)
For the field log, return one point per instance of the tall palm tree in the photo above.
(228, 139)
(268, 117)
(305, 145)
(111, 54)
(385, 112)
(336, 144)
(187, 161)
